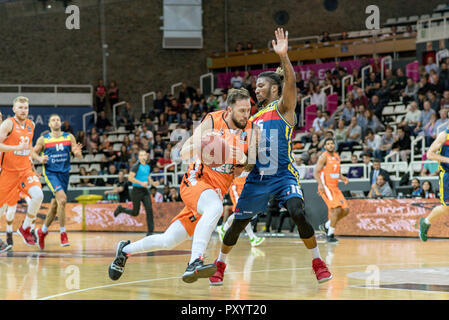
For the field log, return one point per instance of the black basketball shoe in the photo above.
(331, 239)
(197, 270)
(9, 240)
(117, 266)
(118, 210)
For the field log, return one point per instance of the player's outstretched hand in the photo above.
(280, 45)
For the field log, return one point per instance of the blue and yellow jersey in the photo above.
(58, 152)
(275, 154)
(444, 151)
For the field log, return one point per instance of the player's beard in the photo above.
(238, 124)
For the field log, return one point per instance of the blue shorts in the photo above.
(257, 192)
(56, 181)
(444, 188)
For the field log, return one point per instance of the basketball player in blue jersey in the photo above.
(274, 173)
(57, 146)
(438, 151)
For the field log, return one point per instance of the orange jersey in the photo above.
(331, 171)
(18, 160)
(236, 189)
(220, 177)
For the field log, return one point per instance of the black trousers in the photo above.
(138, 195)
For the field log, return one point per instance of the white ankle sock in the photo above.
(44, 228)
(427, 221)
(316, 252)
(328, 224)
(26, 223)
(62, 229)
(222, 257)
(330, 231)
(9, 228)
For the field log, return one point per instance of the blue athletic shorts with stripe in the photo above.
(259, 190)
(56, 181)
(444, 188)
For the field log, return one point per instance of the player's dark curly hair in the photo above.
(276, 78)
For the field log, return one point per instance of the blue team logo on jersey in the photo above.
(23, 185)
(29, 128)
(243, 136)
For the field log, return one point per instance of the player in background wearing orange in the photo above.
(234, 191)
(201, 189)
(17, 173)
(327, 173)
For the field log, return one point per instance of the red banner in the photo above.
(390, 217)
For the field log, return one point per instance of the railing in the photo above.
(178, 84)
(298, 40)
(152, 93)
(343, 87)
(368, 67)
(414, 143)
(386, 59)
(94, 113)
(303, 100)
(114, 115)
(432, 29)
(414, 164)
(391, 155)
(327, 87)
(204, 76)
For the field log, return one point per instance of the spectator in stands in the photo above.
(427, 190)
(343, 36)
(174, 111)
(165, 160)
(249, 46)
(162, 129)
(100, 96)
(314, 144)
(361, 118)
(380, 189)
(159, 146)
(174, 195)
(103, 123)
(366, 158)
(312, 162)
(348, 112)
(247, 80)
(376, 171)
(444, 102)
(112, 170)
(356, 170)
(300, 166)
(113, 93)
(329, 123)
(109, 157)
(410, 92)
(97, 182)
(85, 182)
(222, 104)
(81, 138)
(434, 102)
(239, 47)
(186, 122)
(401, 79)
(431, 65)
(318, 122)
(120, 188)
(372, 85)
(386, 144)
(340, 132)
(66, 127)
(147, 133)
(122, 158)
(159, 103)
(416, 188)
(93, 141)
(166, 193)
(212, 103)
(439, 124)
(313, 79)
(299, 82)
(372, 122)
(372, 141)
(430, 130)
(236, 80)
(409, 32)
(318, 97)
(444, 76)
(384, 93)
(329, 134)
(325, 37)
(156, 196)
(361, 99)
(412, 116)
(198, 95)
(105, 143)
(127, 113)
(423, 86)
(353, 136)
(402, 144)
(424, 118)
(376, 106)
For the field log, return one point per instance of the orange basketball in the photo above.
(214, 150)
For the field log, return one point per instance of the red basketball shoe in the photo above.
(41, 238)
(217, 278)
(26, 235)
(321, 271)
(64, 240)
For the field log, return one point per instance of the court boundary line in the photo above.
(238, 272)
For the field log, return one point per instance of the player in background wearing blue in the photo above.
(438, 151)
(57, 146)
(274, 173)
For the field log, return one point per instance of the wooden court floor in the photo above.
(363, 268)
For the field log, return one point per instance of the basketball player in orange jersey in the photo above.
(17, 174)
(327, 173)
(201, 189)
(234, 191)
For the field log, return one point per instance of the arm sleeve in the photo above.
(135, 168)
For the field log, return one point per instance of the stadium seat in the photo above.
(390, 21)
(399, 109)
(131, 137)
(74, 168)
(416, 167)
(74, 179)
(116, 147)
(387, 111)
(344, 169)
(358, 153)
(94, 166)
(400, 118)
(440, 7)
(446, 14)
(89, 158)
(98, 157)
(402, 167)
(413, 19)
(121, 137)
(354, 34)
(388, 167)
(401, 20)
(424, 16)
(172, 126)
(345, 156)
(113, 138)
(121, 129)
(437, 15)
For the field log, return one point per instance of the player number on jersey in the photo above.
(26, 152)
(296, 189)
(59, 147)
